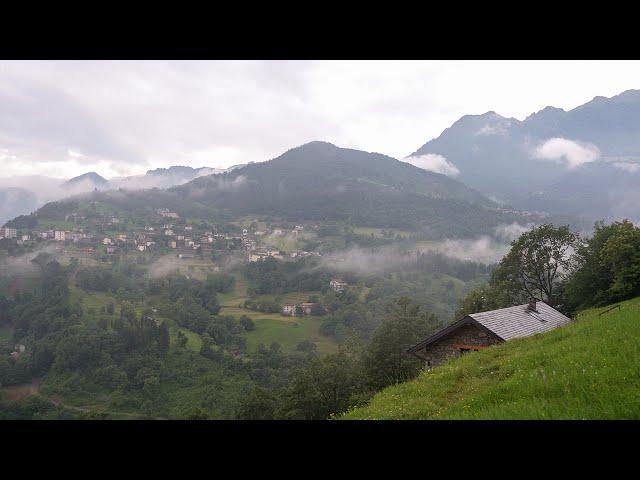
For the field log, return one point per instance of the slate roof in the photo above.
(506, 323)
(519, 321)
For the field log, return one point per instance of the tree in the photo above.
(258, 404)
(482, 299)
(538, 264)
(607, 266)
(329, 385)
(621, 253)
(306, 346)
(182, 340)
(247, 323)
(386, 359)
(318, 310)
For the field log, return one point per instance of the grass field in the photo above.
(270, 327)
(586, 370)
(288, 332)
(275, 327)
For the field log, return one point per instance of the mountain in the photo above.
(515, 160)
(600, 190)
(15, 202)
(23, 195)
(165, 177)
(88, 180)
(319, 181)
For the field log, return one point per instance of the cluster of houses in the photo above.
(279, 232)
(140, 241)
(186, 240)
(293, 309)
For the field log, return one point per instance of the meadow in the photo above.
(586, 370)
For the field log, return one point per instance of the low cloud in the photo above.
(434, 163)
(23, 265)
(170, 264)
(484, 249)
(627, 166)
(510, 232)
(496, 129)
(571, 153)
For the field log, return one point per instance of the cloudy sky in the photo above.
(121, 118)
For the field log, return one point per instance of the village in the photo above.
(163, 234)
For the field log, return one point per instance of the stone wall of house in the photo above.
(450, 346)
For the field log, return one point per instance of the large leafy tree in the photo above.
(608, 266)
(328, 385)
(538, 264)
(386, 359)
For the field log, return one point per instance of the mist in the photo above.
(23, 264)
(169, 264)
(485, 249)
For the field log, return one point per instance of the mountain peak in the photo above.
(92, 177)
(316, 144)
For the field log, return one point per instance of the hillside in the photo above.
(497, 155)
(321, 182)
(587, 370)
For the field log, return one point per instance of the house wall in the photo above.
(449, 346)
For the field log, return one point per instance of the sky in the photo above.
(65, 118)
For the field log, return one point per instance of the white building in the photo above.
(8, 232)
(289, 309)
(338, 285)
(59, 236)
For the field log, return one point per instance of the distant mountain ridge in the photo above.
(501, 156)
(23, 195)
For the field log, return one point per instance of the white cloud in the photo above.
(562, 150)
(499, 128)
(509, 232)
(627, 166)
(434, 163)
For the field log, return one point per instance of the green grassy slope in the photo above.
(587, 370)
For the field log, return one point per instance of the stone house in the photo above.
(481, 330)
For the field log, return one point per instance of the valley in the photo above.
(330, 282)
